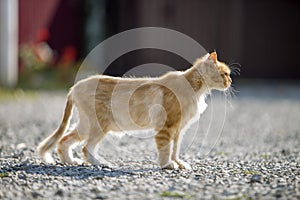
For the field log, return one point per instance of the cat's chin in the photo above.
(221, 89)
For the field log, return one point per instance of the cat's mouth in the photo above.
(227, 82)
(227, 87)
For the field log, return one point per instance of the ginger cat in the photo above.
(167, 104)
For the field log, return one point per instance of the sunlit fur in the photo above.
(166, 104)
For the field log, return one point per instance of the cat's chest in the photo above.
(201, 105)
(194, 111)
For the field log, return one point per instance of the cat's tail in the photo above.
(49, 143)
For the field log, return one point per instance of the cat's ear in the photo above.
(213, 56)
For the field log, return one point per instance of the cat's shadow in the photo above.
(79, 172)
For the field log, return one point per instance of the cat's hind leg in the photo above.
(65, 146)
(175, 153)
(94, 137)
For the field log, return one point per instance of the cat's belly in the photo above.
(137, 111)
(154, 118)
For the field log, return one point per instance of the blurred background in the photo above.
(43, 42)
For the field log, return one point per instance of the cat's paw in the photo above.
(47, 157)
(183, 165)
(93, 161)
(171, 166)
(77, 161)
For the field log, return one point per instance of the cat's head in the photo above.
(216, 74)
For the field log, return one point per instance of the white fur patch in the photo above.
(48, 158)
(201, 108)
(202, 104)
(141, 133)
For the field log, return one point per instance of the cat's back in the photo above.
(103, 86)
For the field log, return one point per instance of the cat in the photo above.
(167, 104)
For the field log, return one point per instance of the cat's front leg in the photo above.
(163, 139)
(172, 165)
(183, 165)
(175, 155)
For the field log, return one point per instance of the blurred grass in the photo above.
(32, 82)
(47, 79)
(14, 94)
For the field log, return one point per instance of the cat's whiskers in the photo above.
(233, 90)
(235, 68)
(230, 94)
(234, 63)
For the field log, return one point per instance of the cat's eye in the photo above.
(226, 74)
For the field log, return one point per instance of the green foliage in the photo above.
(247, 172)
(265, 156)
(47, 78)
(175, 194)
(244, 197)
(221, 153)
(42, 68)
(4, 174)
(251, 172)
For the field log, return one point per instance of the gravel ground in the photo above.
(246, 148)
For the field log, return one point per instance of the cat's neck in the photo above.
(196, 80)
